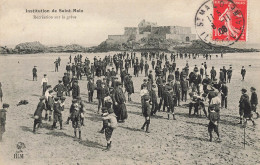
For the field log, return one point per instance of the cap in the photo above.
(5, 105)
(211, 107)
(118, 83)
(42, 98)
(244, 90)
(110, 110)
(145, 80)
(45, 75)
(60, 81)
(253, 88)
(146, 97)
(104, 108)
(56, 98)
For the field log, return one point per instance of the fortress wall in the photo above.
(117, 38)
(181, 37)
(130, 31)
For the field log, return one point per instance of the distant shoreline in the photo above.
(195, 46)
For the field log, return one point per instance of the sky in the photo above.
(99, 19)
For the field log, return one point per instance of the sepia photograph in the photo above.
(129, 82)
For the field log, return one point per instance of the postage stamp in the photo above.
(222, 22)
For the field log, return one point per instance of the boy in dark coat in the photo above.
(169, 101)
(224, 94)
(244, 105)
(91, 88)
(213, 122)
(129, 88)
(38, 113)
(254, 101)
(3, 119)
(153, 100)
(146, 113)
(57, 115)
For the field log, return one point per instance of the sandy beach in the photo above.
(181, 141)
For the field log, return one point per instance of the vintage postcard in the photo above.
(129, 82)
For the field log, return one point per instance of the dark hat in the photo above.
(146, 97)
(5, 105)
(45, 75)
(74, 100)
(110, 110)
(63, 98)
(253, 88)
(50, 91)
(42, 98)
(130, 76)
(118, 83)
(211, 107)
(168, 88)
(244, 90)
(60, 81)
(111, 88)
(56, 99)
(154, 86)
(104, 108)
(145, 80)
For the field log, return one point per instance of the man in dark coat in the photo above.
(213, 73)
(75, 90)
(66, 83)
(184, 89)
(38, 113)
(119, 102)
(3, 119)
(34, 71)
(59, 88)
(225, 73)
(146, 68)
(229, 74)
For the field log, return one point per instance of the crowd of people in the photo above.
(167, 86)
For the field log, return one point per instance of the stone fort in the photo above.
(147, 29)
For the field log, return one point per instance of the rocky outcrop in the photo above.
(30, 47)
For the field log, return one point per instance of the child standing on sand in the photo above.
(110, 123)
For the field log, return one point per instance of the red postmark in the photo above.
(230, 20)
